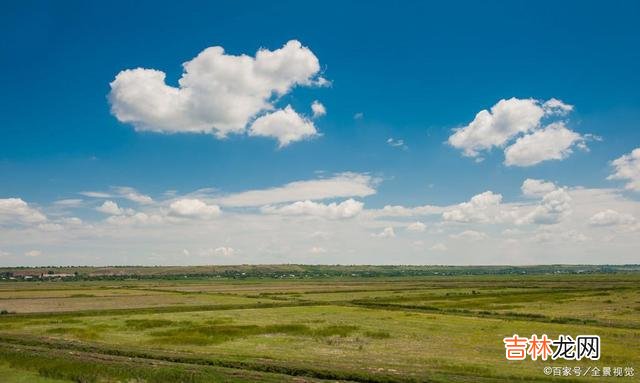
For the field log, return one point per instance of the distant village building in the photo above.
(61, 275)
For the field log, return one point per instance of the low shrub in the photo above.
(380, 334)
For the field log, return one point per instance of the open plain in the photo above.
(299, 326)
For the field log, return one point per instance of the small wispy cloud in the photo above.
(71, 202)
(318, 109)
(95, 194)
(397, 143)
(125, 192)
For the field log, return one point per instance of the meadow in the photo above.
(342, 326)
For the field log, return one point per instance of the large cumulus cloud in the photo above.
(218, 93)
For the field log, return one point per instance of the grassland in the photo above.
(417, 328)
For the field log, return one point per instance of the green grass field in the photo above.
(362, 329)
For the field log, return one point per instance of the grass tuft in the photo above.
(143, 324)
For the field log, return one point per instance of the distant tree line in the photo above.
(240, 272)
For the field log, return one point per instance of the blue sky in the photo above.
(414, 73)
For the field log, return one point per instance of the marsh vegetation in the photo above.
(438, 328)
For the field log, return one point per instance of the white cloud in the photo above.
(484, 207)
(387, 232)
(71, 202)
(358, 116)
(439, 247)
(492, 128)
(224, 251)
(63, 223)
(320, 235)
(403, 211)
(397, 143)
(317, 250)
(132, 195)
(417, 227)
(557, 227)
(339, 186)
(95, 194)
(125, 192)
(555, 142)
(111, 208)
(536, 188)
(511, 232)
(75, 221)
(346, 209)
(611, 217)
(49, 226)
(554, 207)
(194, 208)
(17, 211)
(555, 106)
(470, 235)
(517, 124)
(218, 93)
(546, 235)
(33, 253)
(318, 109)
(285, 125)
(627, 168)
(135, 219)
